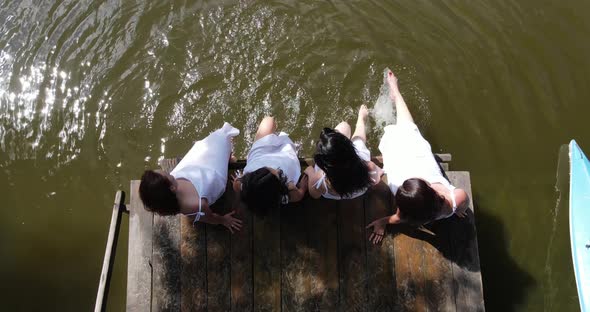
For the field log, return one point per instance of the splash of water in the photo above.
(384, 109)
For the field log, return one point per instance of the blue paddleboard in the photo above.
(580, 221)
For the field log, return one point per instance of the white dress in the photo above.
(406, 155)
(277, 152)
(205, 165)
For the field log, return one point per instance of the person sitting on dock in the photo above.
(196, 182)
(272, 171)
(343, 167)
(422, 193)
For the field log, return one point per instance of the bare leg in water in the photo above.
(403, 113)
(360, 128)
(360, 132)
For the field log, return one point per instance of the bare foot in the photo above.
(392, 81)
(363, 113)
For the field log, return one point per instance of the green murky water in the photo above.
(93, 92)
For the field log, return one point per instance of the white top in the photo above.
(406, 155)
(205, 165)
(363, 152)
(277, 152)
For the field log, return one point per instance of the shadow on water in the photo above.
(505, 283)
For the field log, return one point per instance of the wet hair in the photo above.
(336, 156)
(156, 195)
(263, 191)
(417, 202)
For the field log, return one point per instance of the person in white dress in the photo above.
(422, 194)
(343, 167)
(271, 176)
(196, 182)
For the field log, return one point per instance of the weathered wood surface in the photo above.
(219, 258)
(352, 255)
(241, 262)
(139, 256)
(381, 277)
(166, 261)
(310, 256)
(467, 283)
(322, 248)
(266, 262)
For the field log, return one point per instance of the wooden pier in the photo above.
(310, 256)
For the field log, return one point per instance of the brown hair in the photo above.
(156, 195)
(417, 202)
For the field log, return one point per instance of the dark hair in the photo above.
(156, 195)
(337, 157)
(263, 191)
(417, 202)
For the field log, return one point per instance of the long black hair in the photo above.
(263, 191)
(336, 156)
(417, 202)
(156, 195)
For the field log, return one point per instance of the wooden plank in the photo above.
(380, 258)
(352, 255)
(139, 266)
(437, 268)
(322, 221)
(241, 261)
(409, 271)
(166, 263)
(297, 277)
(109, 255)
(267, 262)
(304, 162)
(193, 253)
(443, 157)
(192, 258)
(464, 252)
(218, 258)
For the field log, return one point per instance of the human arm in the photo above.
(297, 192)
(312, 178)
(462, 201)
(379, 227)
(235, 181)
(227, 220)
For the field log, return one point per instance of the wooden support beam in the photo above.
(109, 254)
(304, 162)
